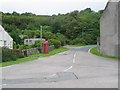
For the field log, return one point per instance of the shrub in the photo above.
(48, 34)
(18, 53)
(61, 38)
(55, 42)
(8, 55)
(25, 46)
(78, 41)
(37, 43)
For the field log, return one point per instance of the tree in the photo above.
(70, 26)
(15, 13)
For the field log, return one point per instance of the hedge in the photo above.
(54, 42)
(8, 55)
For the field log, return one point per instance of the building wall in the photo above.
(109, 29)
(32, 41)
(119, 29)
(5, 39)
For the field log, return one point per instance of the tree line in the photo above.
(77, 27)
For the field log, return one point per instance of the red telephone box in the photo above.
(45, 46)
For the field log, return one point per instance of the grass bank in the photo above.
(95, 52)
(55, 51)
(33, 57)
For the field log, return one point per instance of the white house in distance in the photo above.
(5, 39)
(31, 41)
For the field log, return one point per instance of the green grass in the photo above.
(95, 51)
(33, 57)
(55, 51)
(18, 61)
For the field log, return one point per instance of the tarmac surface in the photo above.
(76, 68)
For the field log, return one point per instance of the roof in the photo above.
(3, 33)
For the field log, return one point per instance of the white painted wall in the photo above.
(32, 41)
(5, 39)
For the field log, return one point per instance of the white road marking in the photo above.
(89, 51)
(74, 57)
(73, 60)
(68, 68)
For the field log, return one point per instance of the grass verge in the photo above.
(33, 57)
(18, 61)
(95, 51)
(55, 51)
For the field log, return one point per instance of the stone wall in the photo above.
(109, 28)
(51, 48)
(31, 51)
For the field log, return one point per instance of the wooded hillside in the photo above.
(74, 27)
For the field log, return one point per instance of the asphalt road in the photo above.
(76, 68)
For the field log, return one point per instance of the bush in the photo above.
(8, 55)
(25, 46)
(61, 38)
(78, 41)
(37, 43)
(18, 53)
(55, 42)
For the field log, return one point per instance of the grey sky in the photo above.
(49, 7)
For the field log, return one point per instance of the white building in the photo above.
(5, 39)
(31, 41)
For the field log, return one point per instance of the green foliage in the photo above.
(54, 42)
(33, 57)
(61, 38)
(96, 52)
(20, 60)
(18, 53)
(53, 52)
(15, 35)
(8, 55)
(24, 46)
(48, 35)
(78, 41)
(38, 43)
(63, 27)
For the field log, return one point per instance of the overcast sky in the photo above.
(50, 7)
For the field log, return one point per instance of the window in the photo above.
(5, 43)
(30, 42)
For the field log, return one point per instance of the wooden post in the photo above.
(41, 37)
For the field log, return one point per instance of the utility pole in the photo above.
(41, 36)
(41, 32)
